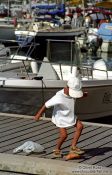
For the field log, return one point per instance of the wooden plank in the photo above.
(25, 134)
(106, 162)
(52, 141)
(14, 125)
(85, 137)
(4, 118)
(48, 139)
(96, 140)
(99, 151)
(23, 127)
(91, 144)
(7, 121)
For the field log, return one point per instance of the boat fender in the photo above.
(35, 27)
(34, 67)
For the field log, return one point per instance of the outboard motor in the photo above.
(94, 42)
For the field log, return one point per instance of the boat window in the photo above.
(61, 51)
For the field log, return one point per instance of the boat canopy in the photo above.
(106, 4)
(44, 6)
(49, 9)
(105, 31)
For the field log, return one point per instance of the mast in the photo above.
(8, 8)
(30, 5)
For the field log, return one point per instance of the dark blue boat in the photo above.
(49, 9)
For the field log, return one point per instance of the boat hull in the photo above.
(28, 99)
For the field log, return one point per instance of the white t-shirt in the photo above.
(63, 114)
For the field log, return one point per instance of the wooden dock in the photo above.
(15, 130)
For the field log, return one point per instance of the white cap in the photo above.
(75, 87)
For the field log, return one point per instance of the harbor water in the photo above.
(103, 120)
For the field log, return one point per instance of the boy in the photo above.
(64, 115)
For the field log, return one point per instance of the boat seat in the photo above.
(47, 71)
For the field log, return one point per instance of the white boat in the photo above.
(25, 33)
(23, 92)
(43, 20)
(41, 31)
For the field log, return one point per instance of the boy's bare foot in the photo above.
(71, 156)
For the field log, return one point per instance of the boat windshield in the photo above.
(62, 51)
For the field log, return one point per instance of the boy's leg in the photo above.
(74, 151)
(77, 134)
(62, 137)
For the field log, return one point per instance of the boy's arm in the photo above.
(39, 113)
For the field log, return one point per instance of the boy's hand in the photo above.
(85, 94)
(36, 117)
(39, 113)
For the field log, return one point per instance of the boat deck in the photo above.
(96, 140)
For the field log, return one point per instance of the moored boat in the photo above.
(23, 92)
(40, 32)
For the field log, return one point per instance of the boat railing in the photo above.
(89, 72)
(30, 69)
(54, 66)
(17, 57)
